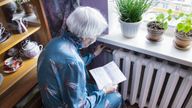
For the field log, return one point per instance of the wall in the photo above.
(101, 5)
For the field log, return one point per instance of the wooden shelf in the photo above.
(11, 79)
(20, 90)
(16, 38)
(15, 86)
(3, 2)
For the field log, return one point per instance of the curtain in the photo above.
(57, 11)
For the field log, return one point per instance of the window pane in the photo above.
(177, 5)
(161, 6)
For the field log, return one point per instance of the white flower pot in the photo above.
(129, 30)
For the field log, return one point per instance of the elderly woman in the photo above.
(62, 75)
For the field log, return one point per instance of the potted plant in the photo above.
(130, 12)
(156, 28)
(184, 31)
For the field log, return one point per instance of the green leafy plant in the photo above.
(185, 24)
(132, 10)
(164, 19)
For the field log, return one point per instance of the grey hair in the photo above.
(86, 22)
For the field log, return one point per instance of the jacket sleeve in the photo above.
(88, 58)
(75, 87)
(65, 86)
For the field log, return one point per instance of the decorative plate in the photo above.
(12, 64)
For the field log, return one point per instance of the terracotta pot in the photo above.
(182, 42)
(154, 34)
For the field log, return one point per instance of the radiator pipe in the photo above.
(109, 50)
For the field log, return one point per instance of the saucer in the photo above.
(184, 49)
(5, 36)
(12, 64)
(1, 79)
(148, 37)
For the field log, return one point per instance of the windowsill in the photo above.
(164, 49)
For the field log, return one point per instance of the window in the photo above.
(176, 5)
(161, 6)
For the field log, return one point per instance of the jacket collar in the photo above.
(76, 41)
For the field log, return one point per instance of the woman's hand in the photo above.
(110, 89)
(99, 49)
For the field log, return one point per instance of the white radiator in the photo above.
(154, 83)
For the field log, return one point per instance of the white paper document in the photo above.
(109, 74)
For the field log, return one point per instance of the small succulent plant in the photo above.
(164, 19)
(185, 25)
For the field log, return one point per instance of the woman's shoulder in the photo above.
(55, 41)
(69, 60)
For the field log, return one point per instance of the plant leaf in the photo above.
(170, 11)
(181, 14)
(169, 18)
(180, 27)
(165, 25)
(160, 17)
(132, 10)
(187, 29)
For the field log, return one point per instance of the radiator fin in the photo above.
(135, 81)
(146, 85)
(171, 84)
(154, 83)
(189, 102)
(182, 93)
(159, 79)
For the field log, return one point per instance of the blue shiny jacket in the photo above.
(62, 75)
